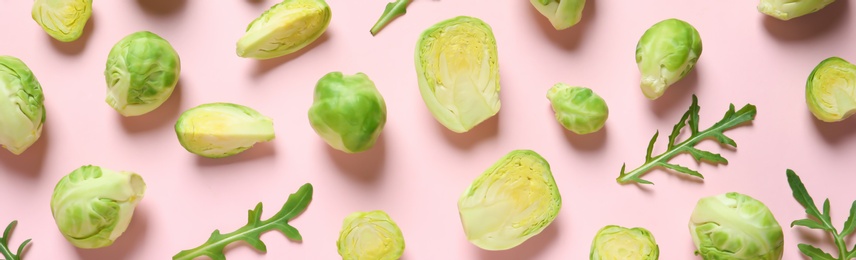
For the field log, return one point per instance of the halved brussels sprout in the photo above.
(284, 28)
(217, 130)
(22, 106)
(348, 111)
(830, 91)
(142, 71)
(790, 9)
(514, 200)
(578, 109)
(63, 20)
(93, 206)
(370, 235)
(458, 72)
(619, 243)
(735, 226)
(666, 53)
(562, 13)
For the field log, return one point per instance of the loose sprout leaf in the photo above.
(5, 250)
(814, 252)
(390, 12)
(822, 221)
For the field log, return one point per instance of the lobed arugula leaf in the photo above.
(5, 250)
(821, 220)
(390, 12)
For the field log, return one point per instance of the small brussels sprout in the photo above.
(348, 111)
(790, 9)
(63, 20)
(619, 243)
(578, 109)
(217, 130)
(22, 106)
(666, 53)
(562, 13)
(370, 235)
(459, 82)
(735, 226)
(514, 200)
(142, 71)
(830, 91)
(284, 28)
(93, 206)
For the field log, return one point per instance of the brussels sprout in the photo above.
(63, 20)
(619, 243)
(142, 71)
(348, 111)
(562, 13)
(458, 72)
(789, 9)
(370, 235)
(666, 53)
(830, 91)
(578, 109)
(735, 226)
(284, 28)
(217, 130)
(514, 200)
(92, 206)
(22, 106)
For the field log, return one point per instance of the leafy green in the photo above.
(821, 220)
(5, 251)
(251, 233)
(390, 12)
(730, 120)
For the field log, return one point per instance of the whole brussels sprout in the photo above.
(735, 226)
(142, 71)
(22, 106)
(830, 90)
(370, 235)
(93, 206)
(217, 130)
(666, 53)
(514, 200)
(63, 20)
(790, 9)
(578, 109)
(562, 13)
(284, 28)
(619, 243)
(348, 111)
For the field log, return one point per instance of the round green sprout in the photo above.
(217, 130)
(512, 201)
(790, 9)
(830, 91)
(63, 20)
(22, 106)
(735, 226)
(370, 235)
(93, 206)
(578, 109)
(142, 71)
(619, 243)
(562, 13)
(666, 53)
(284, 28)
(348, 111)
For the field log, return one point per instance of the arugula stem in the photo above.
(839, 242)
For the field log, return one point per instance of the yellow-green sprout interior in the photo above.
(831, 90)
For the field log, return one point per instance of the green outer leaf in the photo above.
(814, 252)
(5, 251)
(390, 12)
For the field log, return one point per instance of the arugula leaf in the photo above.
(5, 250)
(390, 12)
(731, 119)
(822, 221)
(251, 233)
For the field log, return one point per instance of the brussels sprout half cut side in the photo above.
(614, 242)
(284, 28)
(830, 91)
(371, 235)
(789, 9)
(217, 130)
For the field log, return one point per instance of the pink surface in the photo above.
(418, 169)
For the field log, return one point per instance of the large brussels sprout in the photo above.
(620, 243)
(666, 53)
(578, 109)
(142, 71)
(217, 130)
(92, 206)
(63, 20)
(830, 91)
(735, 226)
(370, 235)
(512, 201)
(285, 28)
(348, 111)
(789, 9)
(458, 72)
(22, 106)
(562, 13)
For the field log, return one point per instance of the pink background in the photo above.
(418, 169)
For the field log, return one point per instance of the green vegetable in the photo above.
(5, 250)
(830, 91)
(390, 12)
(142, 71)
(578, 109)
(512, 201)
(620, 243)
(22, 106)
(666, 53)
(790, 9)
(370, 235)
(217, 130)
(63, 20)
(821, 220)
(731, 119)
(252, 232)
(348, 111)
(459, 82)
(93, 206)
(562, 13)
(735, 226)
(285, 28)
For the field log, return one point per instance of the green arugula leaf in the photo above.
(822, 221)
(5, 250)
(814, 252)
(390, 12)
